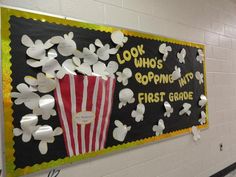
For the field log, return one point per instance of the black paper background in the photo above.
(27, 154)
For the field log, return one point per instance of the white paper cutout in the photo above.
(164, 49)
(120, 132)
(88, 54)
(28, 126)
(181, 55)
(68, 67)
(124, 76)
(186, 109)
(84, 68)
(112, 67)
(26, 96)
(138, 113)
(176, 74)
(199, 77)
(118, 38)
(203, 100)
(32, 82)
(41, 84)
(99, 69)
(196, 133)
(45, 135)
(200, 56)
(104, 51)
(126, 95)
(202, 120)
(76, 61)
(66, 46)
(45, 108)
(36, 50)
(158, 129)
(168, 108)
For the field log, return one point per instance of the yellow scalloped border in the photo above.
(6, 68)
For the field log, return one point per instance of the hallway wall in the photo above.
(211, 22)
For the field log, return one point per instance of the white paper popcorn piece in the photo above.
(181, 55)
(186, 109)
(199, 77)
(32, 82)
(99, 69)
(176, 74)
(203, 100)
(46, 107)
(118, 38)
(84, 68)
(126, 95)
(88, 54)
(121, 130)
(104, 51)
(168, 109)
(36, 50)
(68, 67)
(158, 129)
(124, 76)
(112, 67)
(138, 113)
(26, 96)
(28, 126)
(45, 135)
(196, 133)
(45, 84)
(200, 56)
(202, 120)
(76, 61)
(164, 49)
(66, 46)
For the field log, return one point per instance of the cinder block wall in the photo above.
(211, 22)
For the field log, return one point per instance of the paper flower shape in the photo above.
(138, 113)
(42, 83)
(186, 109)
(202, 120)
(28, 126)
(26, 96)
(168, 108)
(181, 55)
(196, 133)
(49, 64)
(99, 69)
(104, 51)
(176, 74)
(45, 107)
(124, 76)
(112, 67)
(126, 95)
(66, 46)
(37, 49)
(84, 68)
(88, 54)
(120, 132)
(158, 129)
(118, 38)
(200, 56)
(203, 100)
(68, 67)
(45, 135)
(164, 49)
(199, 77)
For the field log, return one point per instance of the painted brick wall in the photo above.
(211, 22)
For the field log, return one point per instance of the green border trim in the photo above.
(6, 66)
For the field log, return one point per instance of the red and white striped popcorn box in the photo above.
(84, 105)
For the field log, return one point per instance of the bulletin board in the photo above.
(75, 90)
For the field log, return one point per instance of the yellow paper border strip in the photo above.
(6, 68)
